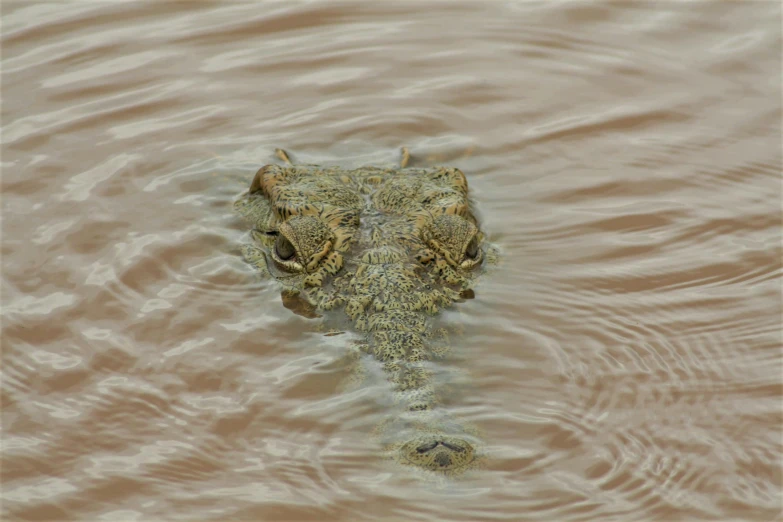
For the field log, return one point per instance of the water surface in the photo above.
(623, 363)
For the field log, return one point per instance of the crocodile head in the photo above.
(411, 247)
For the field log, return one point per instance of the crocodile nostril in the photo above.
(452, 447)
(424, 448)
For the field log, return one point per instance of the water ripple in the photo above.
(623, 361)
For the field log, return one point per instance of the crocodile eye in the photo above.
(472, 250)
(284, 249)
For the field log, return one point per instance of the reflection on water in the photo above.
(623, 362)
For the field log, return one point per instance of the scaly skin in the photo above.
(390, 247)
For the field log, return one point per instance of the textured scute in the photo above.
(390, 247)
(398, 320)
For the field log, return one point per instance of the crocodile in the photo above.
(390, 247)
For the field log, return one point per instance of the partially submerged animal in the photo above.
(390, 247)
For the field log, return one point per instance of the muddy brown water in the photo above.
(623, 363)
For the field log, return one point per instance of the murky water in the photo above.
(624, 362)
